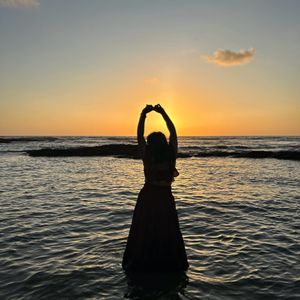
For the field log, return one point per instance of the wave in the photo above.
(27, 139)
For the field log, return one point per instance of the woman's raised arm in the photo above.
(141, 128)
(173, 135)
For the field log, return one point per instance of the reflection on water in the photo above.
(167, 286)
(64, 224)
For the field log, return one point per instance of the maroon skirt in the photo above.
(155, 242)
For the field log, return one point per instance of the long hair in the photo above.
(158, 148)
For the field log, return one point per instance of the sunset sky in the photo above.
(74, 67)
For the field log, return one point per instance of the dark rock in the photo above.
(119, 150)
(290, 155)
(132, 151)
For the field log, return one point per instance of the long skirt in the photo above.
(155, 242)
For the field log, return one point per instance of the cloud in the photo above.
(228, 58)
(19, 3)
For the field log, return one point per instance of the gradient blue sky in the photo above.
(88, 67)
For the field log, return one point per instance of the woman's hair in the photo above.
(158, 148)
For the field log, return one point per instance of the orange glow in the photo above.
(90, 72)
(195, 110)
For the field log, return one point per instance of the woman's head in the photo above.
(156, 139)
(158, 147)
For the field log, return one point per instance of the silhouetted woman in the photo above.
(155, 242)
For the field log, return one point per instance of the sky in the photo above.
(218, 67)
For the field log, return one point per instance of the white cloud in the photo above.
(228, 58)
(19, 3)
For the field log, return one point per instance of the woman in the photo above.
(155, 242)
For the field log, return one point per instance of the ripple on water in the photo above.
(63, 230)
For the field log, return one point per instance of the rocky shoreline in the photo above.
(132, 151)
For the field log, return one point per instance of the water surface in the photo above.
(64, 224)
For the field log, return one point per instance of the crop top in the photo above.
(160, 173)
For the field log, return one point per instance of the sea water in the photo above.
(64, 222)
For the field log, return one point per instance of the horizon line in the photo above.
(273, 135)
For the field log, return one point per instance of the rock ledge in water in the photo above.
(132, 151)
(120, 150)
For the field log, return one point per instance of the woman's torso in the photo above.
(161, 173)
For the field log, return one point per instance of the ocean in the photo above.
(64, 221)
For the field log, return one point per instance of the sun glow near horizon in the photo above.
(92, 69)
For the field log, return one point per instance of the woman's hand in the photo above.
(158, 109)
(147, 109)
